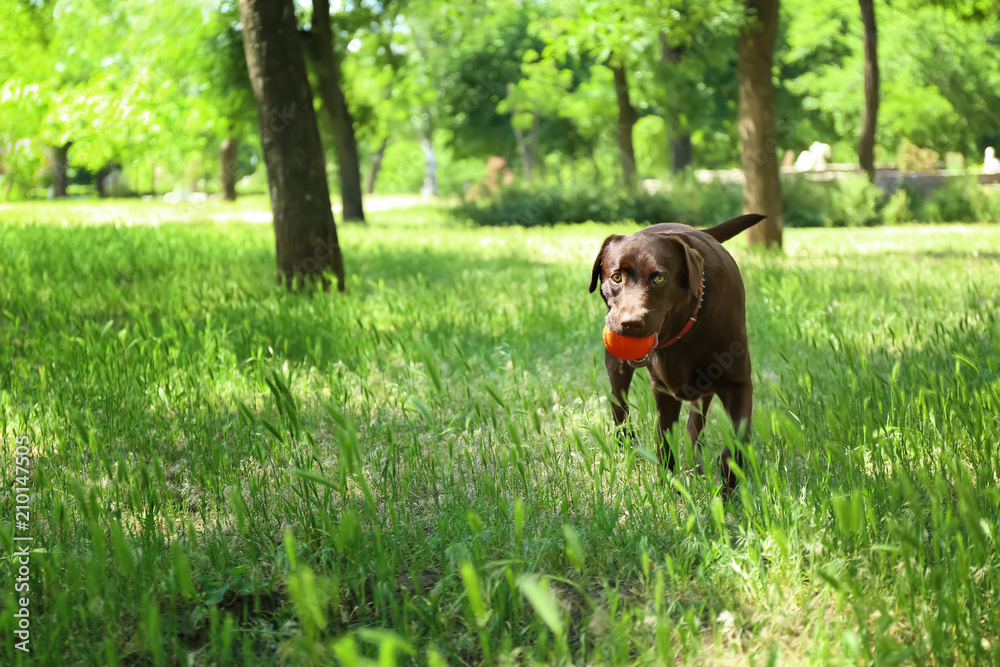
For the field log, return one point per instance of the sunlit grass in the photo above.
(225, 473)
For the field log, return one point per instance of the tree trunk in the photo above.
(627, 118)
(376, 166)
(345, 144)
(527, 146)
(194, 173)
(762, 188)
(679, 138)
(522, 150)
(304, 228)
(680, 152)
(99, 177)
(227, 171)
(60, 164)
(869, 118)
(430, 187)
(532, 145)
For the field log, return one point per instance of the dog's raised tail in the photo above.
(730, 228)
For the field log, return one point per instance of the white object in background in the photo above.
(179, 194)
(813, 159)
(991, 165)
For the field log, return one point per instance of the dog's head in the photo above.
(645, 277)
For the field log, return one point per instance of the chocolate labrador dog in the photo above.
(680, 284)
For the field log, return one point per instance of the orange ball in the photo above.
(627, 348)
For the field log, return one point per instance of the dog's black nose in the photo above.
(630, 322)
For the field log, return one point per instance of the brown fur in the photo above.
(712, 358)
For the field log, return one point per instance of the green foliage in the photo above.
(157, 86)
(540, 89)
(422, 470)
(402, 168)
(897, 208)
(939, 72)
(806, 203)
(819, 92)
(138, 84)
(986, 203)
(472, 81)
(961, 200)
(706, 203)
(855, 202)
(921, 113)
(913, 158)
(850, 201)
(951, 203)
(531, 206)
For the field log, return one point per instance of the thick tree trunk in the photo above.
(758, 140)
(376, 166)
(869, 118)
(227, 170)
(60, 165)
(345, 144)
(627, 118)
(304, 228)
(680, 152)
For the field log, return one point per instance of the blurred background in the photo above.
(143, 98)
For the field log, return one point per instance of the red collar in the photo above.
(692, 320)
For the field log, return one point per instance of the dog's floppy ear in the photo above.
(694, 265)
(595, 274)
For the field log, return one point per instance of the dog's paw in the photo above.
(727, 480)
(625, 437)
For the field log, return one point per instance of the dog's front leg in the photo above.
(620, 374)
(668, 409)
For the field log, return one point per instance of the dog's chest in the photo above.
(677, 378)
(688, 379)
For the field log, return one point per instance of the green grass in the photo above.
(421, 469)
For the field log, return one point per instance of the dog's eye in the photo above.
(659, 279)
(616, 277)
